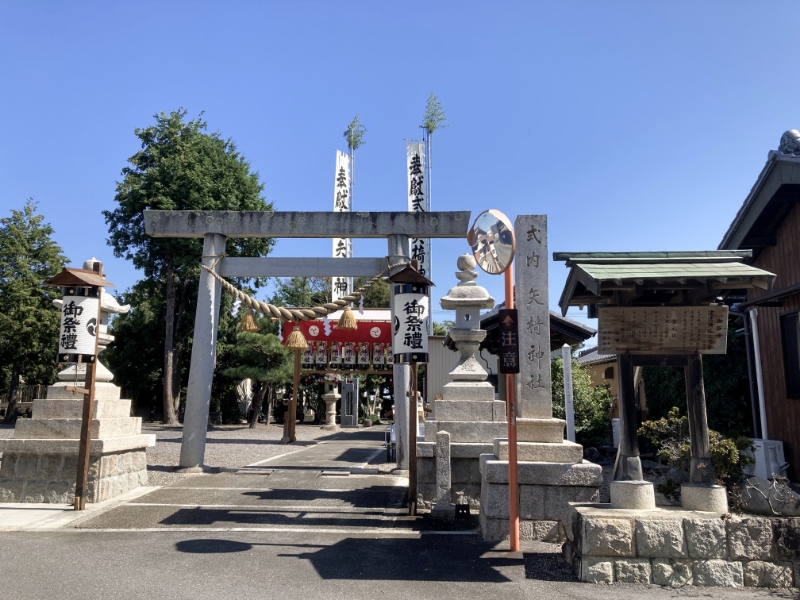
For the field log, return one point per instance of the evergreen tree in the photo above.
(262, 358)
(377, 295)
(28, 320)
(592, 405)
(301, 292)
(180, 167)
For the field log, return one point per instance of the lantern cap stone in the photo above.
(467, 294)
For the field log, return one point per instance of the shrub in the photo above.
(670, 436)
(592, 405)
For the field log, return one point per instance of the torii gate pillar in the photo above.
(204, 357)
(399, 249)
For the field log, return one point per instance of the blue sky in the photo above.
(632, 125)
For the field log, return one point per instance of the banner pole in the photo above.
(84, 446)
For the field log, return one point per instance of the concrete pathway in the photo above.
(326, 485)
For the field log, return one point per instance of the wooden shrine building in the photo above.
(660, 309)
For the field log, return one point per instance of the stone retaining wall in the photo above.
(673, 547)
(51, 477)
(545, 493)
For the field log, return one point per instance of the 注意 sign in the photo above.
(509, 341)
(663, 330)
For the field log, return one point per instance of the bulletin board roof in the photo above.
(595, 275)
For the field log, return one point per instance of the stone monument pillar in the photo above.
(40, 462)
(551, 470)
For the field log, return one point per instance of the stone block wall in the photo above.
(50, 478)
(545, 492)
(673, 547)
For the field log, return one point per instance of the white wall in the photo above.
(441, 362)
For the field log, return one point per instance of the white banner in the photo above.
(79, 327)
(342, 247)
(411, 325)
(415, 167)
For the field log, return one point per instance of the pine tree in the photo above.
(262, 358)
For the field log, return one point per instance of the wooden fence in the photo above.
(26, 393)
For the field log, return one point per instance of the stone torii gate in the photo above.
(215, 227)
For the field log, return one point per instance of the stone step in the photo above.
(563, 452)
(542, 473)
(70, 446)
(541, 430)
(457, 449)
(466, 431)
(102, 391)
(468, 390)
(73, 409)
(470, 410)
(71, 428)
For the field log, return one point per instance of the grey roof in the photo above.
(591, 355)
(589, 331)
(779, 169)
(595, 275)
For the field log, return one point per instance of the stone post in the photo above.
(443, 508)
(204, 358)
(401, 373)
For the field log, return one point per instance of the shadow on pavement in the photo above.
(266, 517)
(383, 559)
(429, 558)
(358, 498)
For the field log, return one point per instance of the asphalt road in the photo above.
(89, 564)
(298, 526)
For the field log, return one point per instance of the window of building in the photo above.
(609, 373)
(791, 353)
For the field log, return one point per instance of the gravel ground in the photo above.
(226, 446)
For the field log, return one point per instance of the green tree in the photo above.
(443, 327)
(301, 292)
(592, 406)
(262, 358)
(726, 385)
(377, 295)
(134, 355)
(28, 320)
(180, 167)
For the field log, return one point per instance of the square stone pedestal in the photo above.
(40, 463)
(545, 491)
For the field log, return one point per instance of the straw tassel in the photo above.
(249, 322)
(296, 340)
(347, 322)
